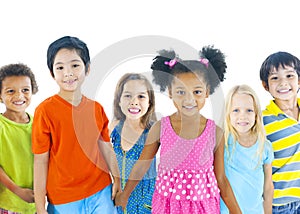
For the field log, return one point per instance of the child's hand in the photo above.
(116, 187)
(121, 200)
(25, 194)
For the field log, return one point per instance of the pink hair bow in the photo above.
(204, 61)
(171, 63)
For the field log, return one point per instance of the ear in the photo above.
(207, 92)
(170, 92)
(264, 84)
(88, 70)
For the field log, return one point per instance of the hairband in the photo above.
(204, 61)
(171, 63)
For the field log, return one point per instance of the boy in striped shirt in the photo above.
(280, 73)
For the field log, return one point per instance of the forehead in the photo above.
(281, 69)
(242, 99)
(65, 54)
(135, 85)
(25, 80)
(188, 79)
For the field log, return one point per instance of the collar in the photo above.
(272, 107)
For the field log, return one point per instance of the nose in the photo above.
(68, 72)
(134, 101)
(18, 94)
(189, 97)
(283, 82)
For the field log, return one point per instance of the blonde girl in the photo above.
(248, 155)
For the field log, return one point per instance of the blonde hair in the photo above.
(257, 129)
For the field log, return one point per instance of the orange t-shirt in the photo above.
(70, 134)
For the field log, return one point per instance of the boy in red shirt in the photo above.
(69, 135)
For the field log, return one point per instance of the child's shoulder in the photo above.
(112, 125)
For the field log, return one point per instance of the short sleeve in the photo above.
(103, 123)
(268, 153)
(40, 133)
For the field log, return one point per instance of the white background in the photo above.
(246, 31)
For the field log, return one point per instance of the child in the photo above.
(280, 74)
(17, 84)
(68, 165)
(191, 164)
(133, 113)
(248, 155)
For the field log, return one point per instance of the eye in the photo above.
(250, 110)
(59, 68)
(127, 95)
(10, 91)
(198, 92)
(26, 90)
(235, 110)
(290, 75)
(141, 96)
(76, 65)
(273, 78)
(180, 92)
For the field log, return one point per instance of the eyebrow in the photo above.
(74, 60)
(182, 87)
(141, 92)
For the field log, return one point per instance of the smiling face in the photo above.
(16, 93)
(242, 113)
(69, 70)
(283, 83)
(134, 101)
(188, 92)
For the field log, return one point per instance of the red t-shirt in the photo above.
(70, 134)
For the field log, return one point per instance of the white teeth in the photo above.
(283, 90)
(189, 107)
(19, 102)
(134, 110)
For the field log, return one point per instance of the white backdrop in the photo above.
(246, 31)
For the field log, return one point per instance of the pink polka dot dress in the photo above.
(186, 182)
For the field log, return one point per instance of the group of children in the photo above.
(69, 152)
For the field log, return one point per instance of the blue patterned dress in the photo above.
(140, 200)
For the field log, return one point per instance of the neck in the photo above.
(287, 104)
(247, 139)
(289, 107)
(72, 97)
(133, 124)
(18, 117)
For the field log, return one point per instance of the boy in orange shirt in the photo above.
(69, 135)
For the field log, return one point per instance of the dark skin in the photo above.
(188, 92)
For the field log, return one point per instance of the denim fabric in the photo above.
(292, 208)
(98, 203)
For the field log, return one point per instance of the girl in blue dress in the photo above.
(134, 103)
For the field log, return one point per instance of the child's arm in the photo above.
(223, 183)
(268, 188)
(40, 180)
(141, 166)
(24, 193)
(111, 160)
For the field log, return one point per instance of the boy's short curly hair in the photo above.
(18, 69)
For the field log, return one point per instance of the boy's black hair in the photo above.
(18, 69)
(213, 72)
(71, 43)
(274, 61)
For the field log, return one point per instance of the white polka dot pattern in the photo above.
(186, 182)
